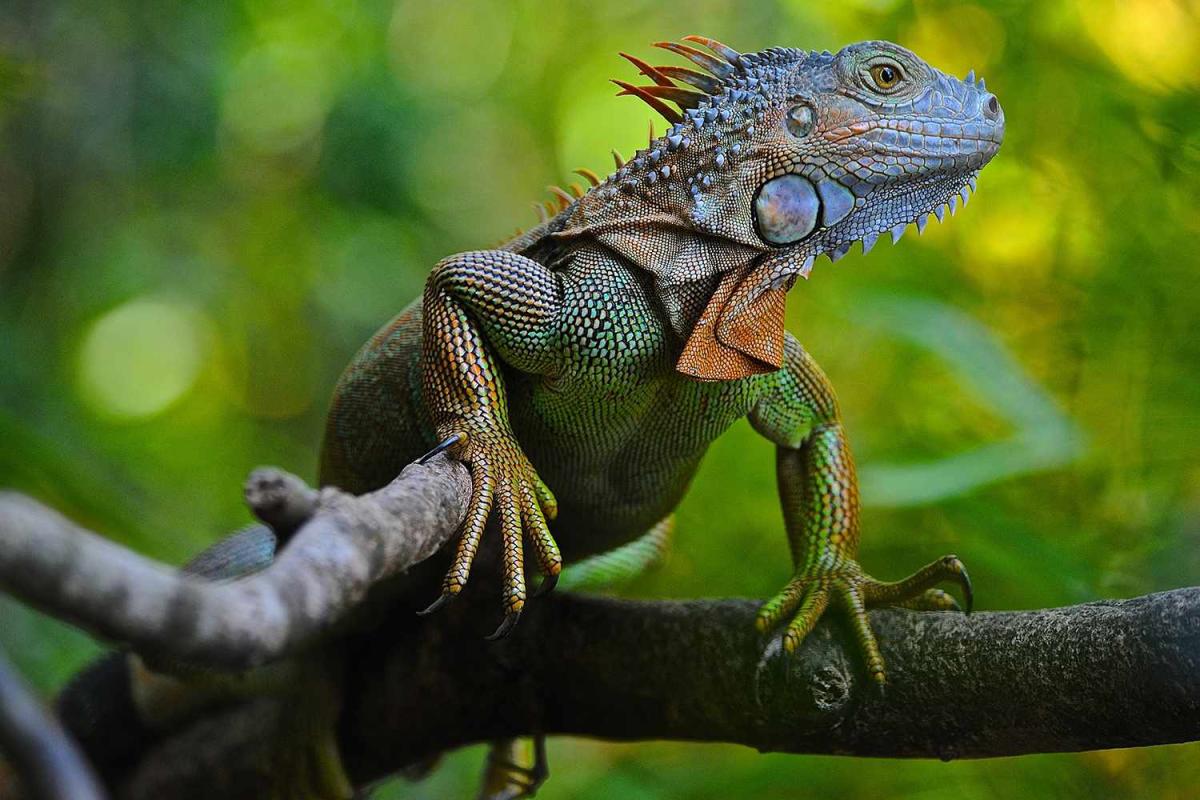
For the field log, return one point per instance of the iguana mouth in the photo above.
(934, 131)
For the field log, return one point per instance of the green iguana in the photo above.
(581, 369)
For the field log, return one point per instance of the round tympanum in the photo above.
(786, 209)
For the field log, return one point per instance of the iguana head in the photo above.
(778, 157)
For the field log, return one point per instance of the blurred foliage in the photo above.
(205, 208)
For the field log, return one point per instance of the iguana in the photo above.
(581, 369)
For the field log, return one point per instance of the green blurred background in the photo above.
(206, 207)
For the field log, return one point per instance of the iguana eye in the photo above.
(800, 121)
(886, 76)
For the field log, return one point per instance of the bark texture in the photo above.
(347, 546)
(1100, 675)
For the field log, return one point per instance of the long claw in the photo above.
(546, 586)
(438, 604)
(510, 621)
(968, 591)
(442, 446)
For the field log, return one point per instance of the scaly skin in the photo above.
(582, 369)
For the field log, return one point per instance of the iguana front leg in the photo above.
(478, 307)
(819, 492)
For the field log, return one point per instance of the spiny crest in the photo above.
(740, 78)
(718, 109)
(564, 197)
(698, 85)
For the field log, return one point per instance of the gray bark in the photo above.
(333, 559)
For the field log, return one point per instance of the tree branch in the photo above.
(1110, 674)
(1100, 675)
(333, 559)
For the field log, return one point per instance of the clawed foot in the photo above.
(516, 769)
(504, 483)
(844, 583)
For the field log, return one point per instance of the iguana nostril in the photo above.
(991, 109)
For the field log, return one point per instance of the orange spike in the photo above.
(588, 175)
(540, 210)
(704, 83)
(564, 199)
(576, 190)
(681, 97)
(551, 210)
(702, 60)
(724, 51)
(618, 159)
(647, 70)
(672, 116)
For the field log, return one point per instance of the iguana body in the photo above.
(582, 369)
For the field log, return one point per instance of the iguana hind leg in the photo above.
(624, 563)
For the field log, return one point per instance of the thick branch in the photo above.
(349, 545)
(1101, 675)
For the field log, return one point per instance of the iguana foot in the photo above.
(504, 484)
(516, 769)
(843, 582)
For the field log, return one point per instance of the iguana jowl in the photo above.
(582, 369)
